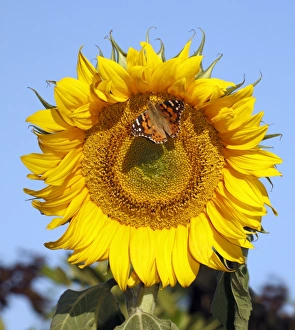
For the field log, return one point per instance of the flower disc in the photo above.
(140, 183)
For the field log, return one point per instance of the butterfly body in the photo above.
(159, 120)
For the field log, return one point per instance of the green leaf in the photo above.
(90, 275)
(232, 302)
(145, 321)
(92, 309)
(240, 289)
(57, 274)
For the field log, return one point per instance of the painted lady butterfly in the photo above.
(159, 120)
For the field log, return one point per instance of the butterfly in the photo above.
(159, 120)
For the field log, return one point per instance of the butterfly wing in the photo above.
(158, 120)
(146, 125)
(171, 111)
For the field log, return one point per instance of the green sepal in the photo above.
(262, 231)
(270, 136)
(44, 103)
(190, 39)
(100, 53)
(232, 89)
(258, 80)
(143, 321)
(269, 180)
(161, 52)
(200, 49)
(38, 130)
(53, 82)
(94, 308)
(226, 263)
(208, 72)
(232, 302)
(147, 36)
(117, 55)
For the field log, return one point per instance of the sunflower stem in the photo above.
(146, 298)
(130, 298)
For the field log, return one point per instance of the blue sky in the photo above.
(40, 41)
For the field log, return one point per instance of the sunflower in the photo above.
(155, 211)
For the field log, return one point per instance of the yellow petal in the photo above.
(40, 163)
(149, 57)
(99, 248)
(119, 256)
(243, 110)
(133, 58)
(51, 209)
(141, 77)
(224, 222)
(64, 141)
(164, 256)
(185, 268)
(241, 188)
(224, 123)
(226, 249)
(201, 239)
(256, 161)
(74, 205)
(63, 201)
(142, 247)
(110, 70)
(184, 54)
(57, 176)
(213, 108)
(85, 70)
(49, 120)
(133, 280)
(243, 138)
(70, 94)
(52, 192)
(189, 69)
(202, 90)
(264, 195)
(164, 75)
(178, 88)
(82, 118)
(107, 92)
(240, 205)
(83, 228)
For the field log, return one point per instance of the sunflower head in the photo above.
(152, 164)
